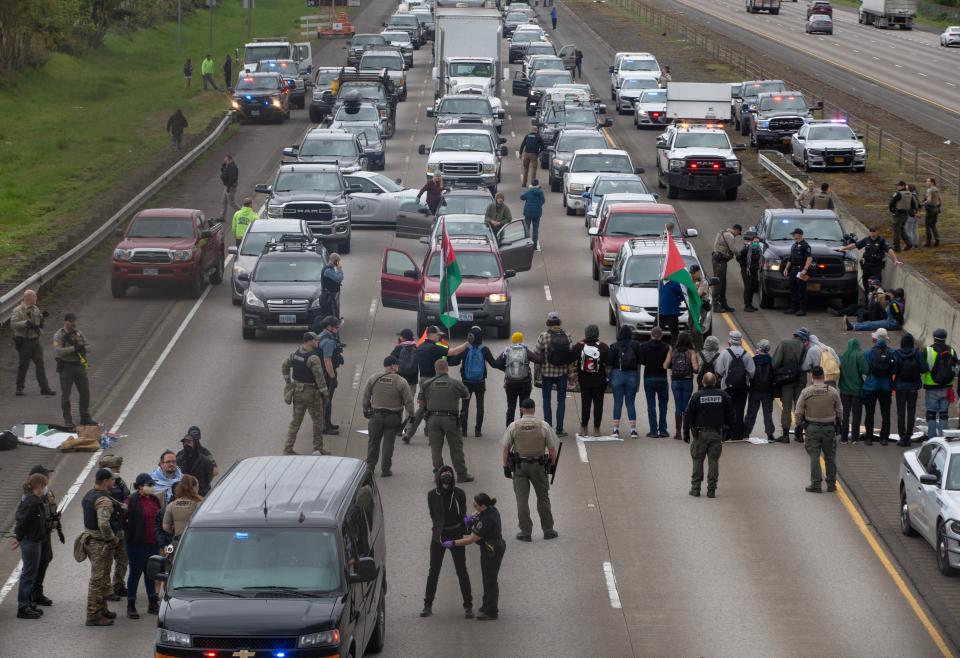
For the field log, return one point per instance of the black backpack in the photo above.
(881, 362)
(736, 379)
(8, 440)
(627, 357)
(558, 349)
(408, 361)
(910, 368)
(705, 367)
(762, 377)
(942, 371)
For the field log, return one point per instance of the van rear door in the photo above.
(304, 57)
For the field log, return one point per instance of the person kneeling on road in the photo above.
(524, 443)
(819, 412)
(710, 417)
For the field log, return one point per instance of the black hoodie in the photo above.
(447, 508)
(625, 343)
(199, 463)
(476, 343)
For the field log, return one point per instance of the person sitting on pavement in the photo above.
(894, 311)
(874, 309)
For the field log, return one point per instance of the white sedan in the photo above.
(950, 36)
(930, 498)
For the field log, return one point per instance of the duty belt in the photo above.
(821, 424)
(304, 383)
(442, 413)
(388, 412)
(529, 460)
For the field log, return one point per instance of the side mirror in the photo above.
(262, 188)
(398, 181)
(800, 138)
(206, 234)
(423, 211)
(593, 230)
(243, 276)
(534, 123)
(291, 151)
(739, 147)
(155, 568)
(430, 111)
(502, 140)
(929, 478)
(860, 137)
(410, 274)
(692, 233)
(422, 149)
(503, 151)
(610, 69)
(501, 114)
(232, 250)
(662, 145)
(818, 106)
(638, 170)
(509, 274)
(608, 123)
(613, 281)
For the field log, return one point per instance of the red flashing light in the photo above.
(716, 165)
(821, 266)
(210, 654)
(693, 165)
(248, 79)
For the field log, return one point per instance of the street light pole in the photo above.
(210, 4)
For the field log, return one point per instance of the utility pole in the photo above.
(249, 6)
(210, 5)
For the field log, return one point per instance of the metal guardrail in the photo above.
(795, 185)
(13, 297)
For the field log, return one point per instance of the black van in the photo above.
(286, 558)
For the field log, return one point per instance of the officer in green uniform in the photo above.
(385, 397)
(710, 417)
(820, 412)
(27, 324)
(440, 398)
(525, 442)
(305, 389)
(100, 523)
(70, 348)
(119, 492)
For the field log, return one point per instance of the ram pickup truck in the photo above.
(778, 116)
(168, 246)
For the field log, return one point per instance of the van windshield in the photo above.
(258, 559)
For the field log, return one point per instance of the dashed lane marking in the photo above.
(582, 449)
(356, 377)
(546, 293)
(611, 585)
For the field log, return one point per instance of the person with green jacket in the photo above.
(498, 213)
(206, 71)
(242, 219)
(853, 370)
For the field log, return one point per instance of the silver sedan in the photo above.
(930, 498)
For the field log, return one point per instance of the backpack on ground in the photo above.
(628, 357)
(681, 365)
(942, 371)
(408, 361)
(8, 440)
(910, 367)
(590, 358)
(830, 364)
(558, 348)
(517, 368)
(881, 362)
(473, 368)
(736, 379)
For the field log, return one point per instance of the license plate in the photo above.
(254, 113)
(839, 160)
(288, 318)
(466, 317)
(150, 271)
(813, 287)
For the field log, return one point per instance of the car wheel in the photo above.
(672, 192)
(806, 163)
(603, 289)
(596, 270)
(571, 211)
(249, 334)
(905, 526)
(217, 277)
(556, 186)
(316, 117)
(730, 194)
(943, 554)
(237, 301)
(379, 636)
(766, 299)
(344, 247)
(613, 316)
(118, 289)
(544, 164)
(196, 286)
(861, 170)
(744, 129)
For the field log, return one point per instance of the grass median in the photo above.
(86, 129)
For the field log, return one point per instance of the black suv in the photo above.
(553, 117)
(832, 275)
(260, 97)
(542, 80)
(778, 115)
(301, 572)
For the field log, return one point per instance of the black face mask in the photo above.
(446, 482)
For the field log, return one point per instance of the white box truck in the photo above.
(706, 101)
(469, 38)
(888, 13)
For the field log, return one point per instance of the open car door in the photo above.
(305, 59)
(521, 84)
(414, 219)
(372, 209)
(569, 56)
(516, 247)
(400, 281)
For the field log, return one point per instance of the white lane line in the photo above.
(95, 457)
(856, 51)
(898, 66)
(611, 585)
(582, 449)
(513, 134)
(373, 306)
(356, 377)
(546, 293)
(951, 84)
(877, 58)
(923, 74)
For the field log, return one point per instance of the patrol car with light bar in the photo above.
(698, 158)
(830, 144)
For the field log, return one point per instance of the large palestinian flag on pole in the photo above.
(674, 269)
(449, 281)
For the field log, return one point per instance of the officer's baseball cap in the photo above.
(816, 372)
(69, 317)
(873, 228)
(528, 403)
(40, 469)
(142, 480)
(111, 461)
(330, 321)
(940, 334)
(104, 474)
(797, 231)
(308, 336)
(433, 329)
(406, 334)
(553, 316)
(390, 360)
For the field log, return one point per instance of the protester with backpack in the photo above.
(750, 259)
(907, 385)
(735, 368)
(473, 372)
(820, 354)
(555, 347)
(624, 358)
(653, 354)
(882, 365)
(405, 352)
(937, 382)
(517, 380)
(707, 358)
(761, 392)
(853, 368)
(788, 378)
(682, 362)
(591, 355)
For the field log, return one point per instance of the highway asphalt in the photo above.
(639, 569)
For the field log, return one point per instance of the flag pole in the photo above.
(663, 255)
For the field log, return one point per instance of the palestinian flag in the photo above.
(674, 269)
(449, 281)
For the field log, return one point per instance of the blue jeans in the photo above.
(30, 552)
(938, 410)
(870, 325)
(654, 387)
(533, 228)
(561, 384)
(137, 555)
(682, 390)
(625, 384)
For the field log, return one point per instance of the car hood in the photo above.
(835, 144)
(819, 248)
(769, 114)
(583, 178)
(612, 243)
(646, 297)
(631, 93)
(222, 616)
(156, 243)
(460, 156)
(652, 107)
(468, 287)
(701, 152)
(286, 197)
(340, 161)
(285, 289)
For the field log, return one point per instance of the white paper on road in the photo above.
(757, 440)
(362, 432)
(40, 435)
(598, 439)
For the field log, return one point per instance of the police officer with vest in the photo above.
(710, 418)
(875, 251)
(750, 259)
(385, 397)
(330, 350)
(101, 523)
(52, 522)
(901, 206)
(798, 264)
(305, 389)
(724, 249)
(823, 200)
(331, 279)
(440, 398)
(525, 443)
(819, 412)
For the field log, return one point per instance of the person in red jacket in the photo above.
(433, 188)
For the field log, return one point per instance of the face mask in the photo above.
(446, 482)
(147, 489)
(756, 243)
(45, 491)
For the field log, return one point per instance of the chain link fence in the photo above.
(880, 144)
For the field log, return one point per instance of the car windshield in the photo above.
(366, 91)
(525, 36)
(367, 39)
(830, 132)
(813, 229)
(315, 181)
(253, 241)
(462, 142)
(820, 18)
(953, 473)
(397, 37)
(541, 49)
(331, 147)
(579, 115)
(470, 70)
(258, 83)
(640, 83)
(357, 113)
(644, 271)
(614, 185)
(639, 65)
(288, 270)
(253, 54)
(702, 140)
(516, 17)
(755, 89)
(477, 106)
(377, 62)
(280, 66)
(370, 132)
(547, 64)
(464, 205)
(653, 96)
(614, 164)
(550, 78)
(161, 227)
(570, 143)
(640, 223)
(473, 265)
(784, 104)
(326, 77)
(409, 22)
(258, 559)
(462, 228)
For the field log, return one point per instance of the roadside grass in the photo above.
(84, 128)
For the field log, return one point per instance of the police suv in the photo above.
(698, 158)
(828, 145)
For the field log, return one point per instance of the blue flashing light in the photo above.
(241, 535)
(280, 654)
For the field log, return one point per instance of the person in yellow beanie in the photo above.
(517, 374)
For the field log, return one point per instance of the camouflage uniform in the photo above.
(303, 370)
(440, 396)
(99, 511)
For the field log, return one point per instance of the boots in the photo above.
(132, 610)
(153, 608)
(678, 422)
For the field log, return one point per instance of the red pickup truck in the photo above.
(168, 246)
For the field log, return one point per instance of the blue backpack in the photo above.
(473, 367)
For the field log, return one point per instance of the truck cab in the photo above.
(698, 158)
(585, 166)
(344, 149)
(756, 6)
(777, 117)
(469, 74)
(279, 48)
(744, 100)
(468, 156)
